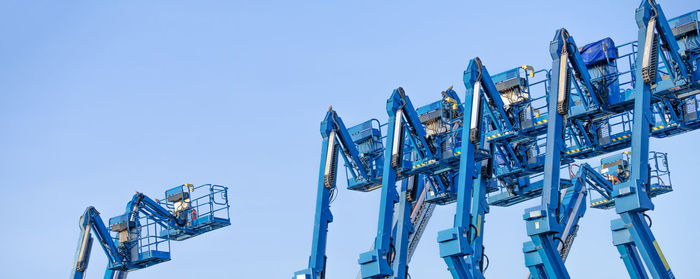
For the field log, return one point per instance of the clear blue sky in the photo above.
(99, 99)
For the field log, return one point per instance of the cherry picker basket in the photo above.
(203, 208)
(140, 241)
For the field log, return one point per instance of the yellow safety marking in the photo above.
(599, 202)
(661, 255)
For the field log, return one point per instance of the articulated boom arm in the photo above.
(91, 222)
(401, 105)
(403, 121)
(119, 256)
(564, 50)
(461, 246)
(594, 179)
(141, 237)
(334, 129)
(651, 17)
(334, 135)
(142, 203)
(477, 79)
(543, 222)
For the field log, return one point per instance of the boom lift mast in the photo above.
(457, 245)
(335, 136)
(403, 123)
(631, 197)
(543, 223)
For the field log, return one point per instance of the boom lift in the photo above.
(631, 197)
(457, 245)
(403, 124)
(364, 162)
(543, 222)
(142, 235)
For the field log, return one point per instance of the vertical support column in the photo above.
(631, 197)
(374, 264)
(82, 255)
(454, 243)
(404, 228)
(622, 239)
(543, 223)
(480, 208)
(323, 215)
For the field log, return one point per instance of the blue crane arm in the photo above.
(91, 222)
(400, 103)
(141, 202)
(403, 121)
(543, 222)
(597, 181)
(456, 243)
(574, 206)
(564, 48)
(650, 16)
(333, 124)
(334, 135)
(477, 79)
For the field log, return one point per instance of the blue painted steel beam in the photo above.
(374, 263)
(403, 123)
(632, 197)
(543, 223)
(567, 46)
(623, 241)
(333, 123)
(404, 228)
(322, 218)
(480, 208)
(650, 14)
(455, 243)
(91, 222)
(335, 135)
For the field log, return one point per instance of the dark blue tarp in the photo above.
(599, 51)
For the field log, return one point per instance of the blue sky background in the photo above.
(99, 99)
